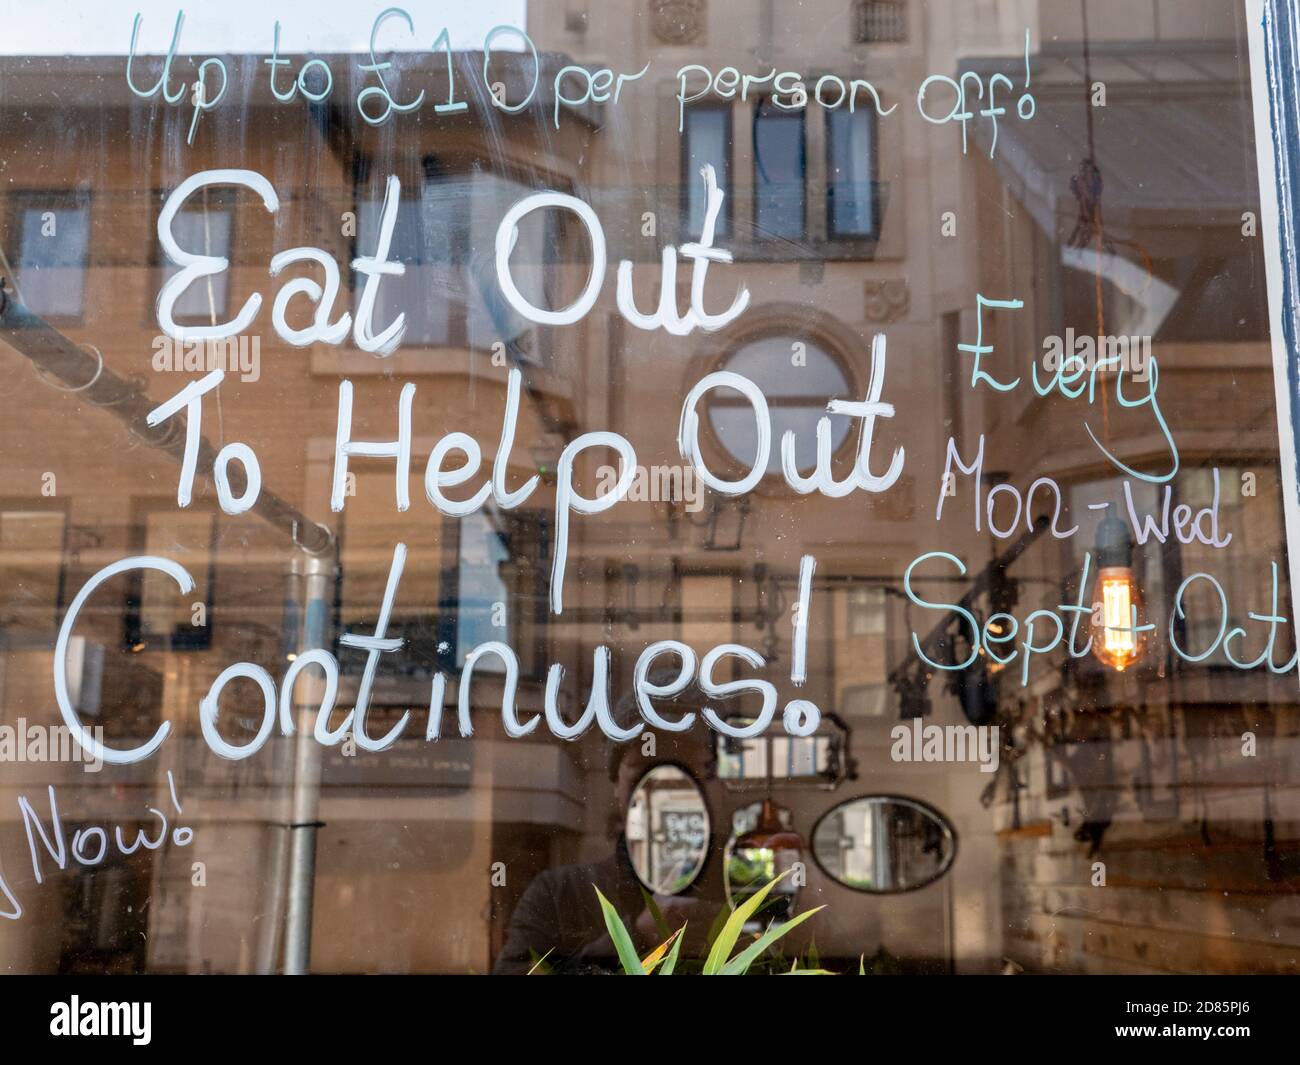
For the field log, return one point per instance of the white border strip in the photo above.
(1270, 228)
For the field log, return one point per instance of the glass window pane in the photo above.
(779, 173)
(202, 233)
(850, 187)
(52, 262)
(706, 141)
(1019, 601)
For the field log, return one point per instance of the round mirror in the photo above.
(761, 849)
(667, 830)
(883, 844)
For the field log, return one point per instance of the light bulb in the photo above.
(1118, 627)
(1116, 639)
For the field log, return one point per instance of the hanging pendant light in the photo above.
(761, 854)
(1117, 639)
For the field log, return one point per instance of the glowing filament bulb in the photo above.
(1117, 613)
(1117, 637)
(1117, 643)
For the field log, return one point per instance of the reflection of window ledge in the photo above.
(429, 361)
(1147, 450)
(407, 361)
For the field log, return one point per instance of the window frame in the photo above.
(53, 505)
(867, 240)
(24, 200)
(765, 107)
(467, 164)
(223, 199)
(726, 222)
(134, 637)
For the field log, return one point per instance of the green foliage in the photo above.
(618, 933)
(723, 958)
(656, 914)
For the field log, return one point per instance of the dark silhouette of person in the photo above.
(559, 917)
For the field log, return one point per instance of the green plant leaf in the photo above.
(726, 940)
(742, 961)
(659, 952)
(656, 914)
(540, 968)
(670, 963)
(652, 959)
(627, 954)
(862, 965)
(720, 919)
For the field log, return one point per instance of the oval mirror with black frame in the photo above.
(667, 830)
(884, 844)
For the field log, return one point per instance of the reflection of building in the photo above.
(836, 223)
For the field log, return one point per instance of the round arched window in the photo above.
(798, 377)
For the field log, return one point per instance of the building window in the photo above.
(880, 21)
(779, 169)
(480, 588)
(864, 700)
(444, 237)
(775, 757)
(430, 238)
(796, 401)
(706, 140)
(156, 617)
(851, 207)
(781, 175)
(203, 231)
(32, 542)
(866, 612)
(424, 613)
(52, 257)
(817, 760)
